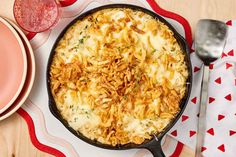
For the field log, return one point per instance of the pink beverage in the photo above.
(36, 15)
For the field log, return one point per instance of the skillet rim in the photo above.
(157, 137)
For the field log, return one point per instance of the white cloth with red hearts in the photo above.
(220, 133)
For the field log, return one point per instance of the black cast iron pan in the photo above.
(154, 145)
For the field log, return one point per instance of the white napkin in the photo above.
(220, 133)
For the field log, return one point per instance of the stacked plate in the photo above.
(17, 68)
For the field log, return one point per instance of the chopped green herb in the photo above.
(119, 49)
(125, 97)
(80, 33)
(86, 26)
(81, 41)
(75, 119)
(173, 49)
(153, 51)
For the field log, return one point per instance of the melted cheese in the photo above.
(150, 51)
(139, 127)
(79, 114)
(157, 41)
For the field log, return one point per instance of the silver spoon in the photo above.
(210, 40)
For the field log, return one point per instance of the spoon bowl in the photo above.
(210, 40)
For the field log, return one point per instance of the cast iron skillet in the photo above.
(153, 145)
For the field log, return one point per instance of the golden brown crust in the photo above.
(118, 76)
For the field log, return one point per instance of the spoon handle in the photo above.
(202, 113)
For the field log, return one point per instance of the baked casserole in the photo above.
(118, 76)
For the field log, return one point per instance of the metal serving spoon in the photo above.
(210, 40)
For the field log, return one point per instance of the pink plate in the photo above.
(29, 78)
(13, 65)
